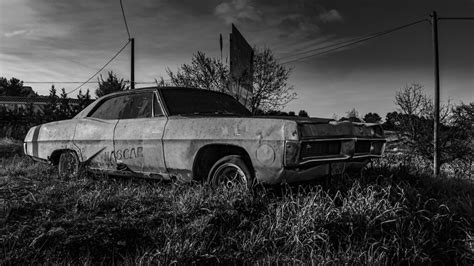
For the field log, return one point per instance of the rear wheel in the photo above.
(68, 165)
(230, 171)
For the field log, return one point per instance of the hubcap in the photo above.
(229, 175)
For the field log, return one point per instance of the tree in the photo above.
(414, 124)
(112, 84)
(203, 72)
(64, 109)
(462, 136)
(84, 100)
(14, 87)
(303, 113)
(270, 88)
(162, 82)
(411, 100)
(51, 108)
(274, 113)
(352, 115)
(391, 121)
(372, 118)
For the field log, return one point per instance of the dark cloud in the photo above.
(296, 24)
(330, 16)
(301, 18)
(238, 11)
(69, 40)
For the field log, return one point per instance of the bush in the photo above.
(414, 124)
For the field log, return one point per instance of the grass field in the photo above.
(392, 214)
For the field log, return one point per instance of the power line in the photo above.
(454, 18)
(77, 82)
(352, 42)
(324, 47)
(102, 68)
(125, 19)
(60, 82)
(150, 82)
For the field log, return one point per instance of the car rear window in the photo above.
(138, 106)
(182, 101)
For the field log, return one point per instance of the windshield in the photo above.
(183, 101)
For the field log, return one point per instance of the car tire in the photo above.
(230, 171)
(68, 165)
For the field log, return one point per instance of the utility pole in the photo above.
(434, 24)
(132, 66)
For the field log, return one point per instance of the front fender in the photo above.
(41, 141)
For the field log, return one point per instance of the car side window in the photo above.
(139, 105)
(110, 108)
(157, 112)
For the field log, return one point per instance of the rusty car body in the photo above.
(187, 134)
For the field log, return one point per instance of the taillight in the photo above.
(291, 152)
(378, 131)
(377, 148)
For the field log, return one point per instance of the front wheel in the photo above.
(230, 171)
(68, 165)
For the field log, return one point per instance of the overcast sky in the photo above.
(43, 40)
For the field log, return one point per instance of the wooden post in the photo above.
(132, 66)
(436, 166)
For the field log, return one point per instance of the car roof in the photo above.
(153, 88)
(137, 90)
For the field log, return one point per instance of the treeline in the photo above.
(412, 122)
(301, 113)
(412, 126)
(17, 119)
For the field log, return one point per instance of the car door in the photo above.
(94, 134)
(138, 135)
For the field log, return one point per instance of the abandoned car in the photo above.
(187, 133)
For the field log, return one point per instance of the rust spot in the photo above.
(181, 175)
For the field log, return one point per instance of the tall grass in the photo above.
(390, 215)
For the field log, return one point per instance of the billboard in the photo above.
(241, 67)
